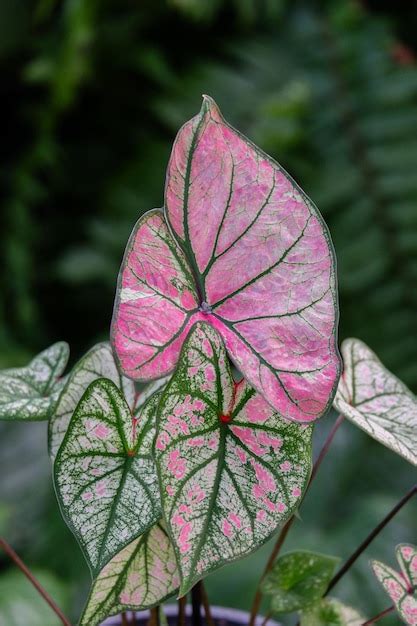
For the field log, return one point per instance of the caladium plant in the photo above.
(241, 247)
(401, 587)
(186, 442)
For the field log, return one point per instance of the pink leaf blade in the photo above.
(407, 558)
(397, 589)
(155, 301)
(230, 468)
(262, 259)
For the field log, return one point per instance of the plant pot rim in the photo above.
(220, 612)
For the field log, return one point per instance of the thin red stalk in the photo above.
(124, 619)
(266, 620)
(45, 595)
(351, 560)
(206, 605)
(376, 618)
(182, 602)
(283, 534)
(196, 600)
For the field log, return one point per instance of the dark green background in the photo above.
(93, 93)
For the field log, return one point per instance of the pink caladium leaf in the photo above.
(376, 400)
(407, 558)
(104, 473)
(399, 589)
(231, 470)
(255, 261)
(140, 576)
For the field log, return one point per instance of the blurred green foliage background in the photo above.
(93, 93)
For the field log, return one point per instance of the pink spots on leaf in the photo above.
(87, 495)
(264, 476)
(257, 410)
(195, 496)
(162, 441)
(235, 519)
(196, 442)
(213, 443)
(268, 440)
(296, 492)
(394, 589)
(101, 488)
(261, 515)
(206, 346)
(124, 598)
(209, 373)
(242, 456)
(176, 464)
(177, 520)
(227, 528)
(183, 538)
(170, 490)
(286, 466)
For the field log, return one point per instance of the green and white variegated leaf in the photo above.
(399, 590)
(105, 475)
(407, 558)
(97, 363)
(377, 401)
(231, 470)
(331, 612)
(29, 393)
(140, 576)
(298, 579)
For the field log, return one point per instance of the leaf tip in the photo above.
(210, 106)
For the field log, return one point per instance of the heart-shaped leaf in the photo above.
(105, 475)
(331, 612)
(231, 469)
(256, 262)
(96, 363)
(298, 579)
(29, 393)
(407, 558)
(399, 590)
(140, 576)
(376, 401)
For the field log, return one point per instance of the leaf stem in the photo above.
(45, 595)
(196, 600)
(124, 619)
(182, 602)
(284, 532)
(206, 605)
(266, 619)
(351, 560)
(376, 618)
